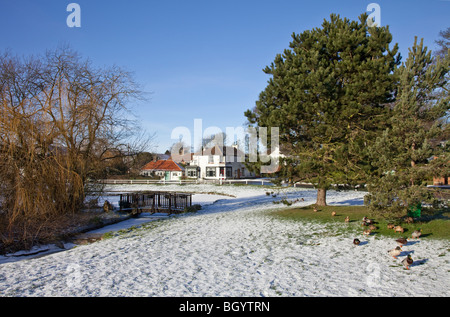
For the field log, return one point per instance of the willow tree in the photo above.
(327, 94)
(61, 120)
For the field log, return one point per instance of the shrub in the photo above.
(193, 208)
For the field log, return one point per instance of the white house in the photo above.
(218, 163)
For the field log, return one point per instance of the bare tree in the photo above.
(61, 121)
(443, 42)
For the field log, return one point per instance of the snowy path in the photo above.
(233, 248)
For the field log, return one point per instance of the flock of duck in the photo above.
(408, 261)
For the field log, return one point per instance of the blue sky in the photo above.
(198, 59)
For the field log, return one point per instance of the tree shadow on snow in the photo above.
(350, 202)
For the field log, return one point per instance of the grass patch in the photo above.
(434, 225)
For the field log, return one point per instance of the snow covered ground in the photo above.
(232, 247)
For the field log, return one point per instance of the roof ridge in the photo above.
(164, 165)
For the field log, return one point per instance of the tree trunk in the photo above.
(413, 163)
(321, 197)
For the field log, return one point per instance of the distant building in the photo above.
(225, 162)
(439, 181)
(161, 156)
(165, 169)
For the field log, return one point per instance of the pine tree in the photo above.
(404, 154)
(327, 94)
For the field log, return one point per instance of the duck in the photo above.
(401, 241)
(395, 252)
(315, 209)
(347, 219)
(408, 261)
(409, 220)
(366, 221)
(333, 214)
(356, 242)
(390, 226)
(416, 234)
(372, 227)
(399, 229)
(367, 232)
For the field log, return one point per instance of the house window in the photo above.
(210, 172)
(210, 159)
(226, 172)
(192, 173)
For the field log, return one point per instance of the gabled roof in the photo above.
(163, 165)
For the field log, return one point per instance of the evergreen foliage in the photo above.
(327, 94)
(409, 152)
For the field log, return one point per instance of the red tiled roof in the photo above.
(163, 165)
